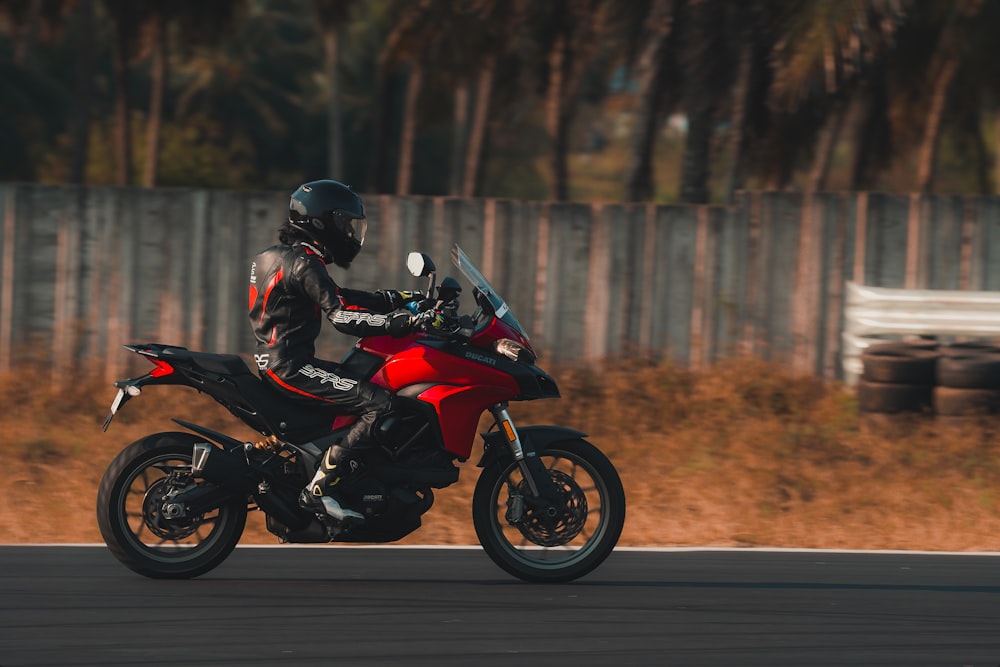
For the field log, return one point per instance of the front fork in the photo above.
(506, 426)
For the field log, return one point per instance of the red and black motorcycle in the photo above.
(548, 506)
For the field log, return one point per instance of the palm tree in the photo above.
(829, 52)
(703, 67)
(83, 32)
(24, 17)
(657, 29)
(32, 101)
(123, 15)
(949, 57)
(482, 34)
(569, 32)
(407, 43)
(157, 26)
(31, 112)
(456, 45)
(756, 26)
(252, 99)
(333, 16)
(200, 23)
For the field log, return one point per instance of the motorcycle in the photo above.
(548, 505)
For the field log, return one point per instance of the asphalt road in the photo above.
(352, 606)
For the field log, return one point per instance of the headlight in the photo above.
(514, 351)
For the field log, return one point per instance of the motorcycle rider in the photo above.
(289, 289)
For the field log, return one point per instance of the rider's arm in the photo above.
(353, 312)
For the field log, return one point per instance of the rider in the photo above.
(289, 288)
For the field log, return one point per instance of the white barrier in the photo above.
(876, 314)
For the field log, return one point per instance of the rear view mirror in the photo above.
(419, 264)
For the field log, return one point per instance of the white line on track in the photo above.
(898, 552)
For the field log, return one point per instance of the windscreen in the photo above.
(472, 274)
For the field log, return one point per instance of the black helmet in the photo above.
(332, 216)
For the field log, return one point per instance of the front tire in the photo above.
(130, 516)
(579, 534)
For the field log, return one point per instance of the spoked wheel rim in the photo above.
(150, 529)
(557, 535)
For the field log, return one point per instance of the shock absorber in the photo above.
(272, 444)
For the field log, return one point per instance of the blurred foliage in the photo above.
(246, 100)
(744, 452)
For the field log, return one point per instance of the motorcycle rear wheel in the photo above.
(128, 513)
(540, 548)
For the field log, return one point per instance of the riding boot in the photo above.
(322, 494)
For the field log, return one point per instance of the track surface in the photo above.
(354, 606)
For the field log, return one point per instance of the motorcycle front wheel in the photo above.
(555, 542)
(144, 531)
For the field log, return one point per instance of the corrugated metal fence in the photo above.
(83, 270)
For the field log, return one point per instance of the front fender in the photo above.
(534, 439)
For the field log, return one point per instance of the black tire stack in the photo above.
(957, 380)
(897, 377)
(968, 381)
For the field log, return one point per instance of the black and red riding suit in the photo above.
(290, 292)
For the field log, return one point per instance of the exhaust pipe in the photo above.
(218, 466)
(229, 470)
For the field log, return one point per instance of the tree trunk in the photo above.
(996, 158)
(407, 138)
(974, 129)
(697, 150)
(381, 174)
(650, 68)
(951, 47)
(154, 128)
(331, 52)
(84, 86)
(556, 118)
(459, 132)
(932, 127)
(26, 37)
(124, 29)
(699, 105)
(477, 134)
(825, 145)
(737, 120)
(871, 145)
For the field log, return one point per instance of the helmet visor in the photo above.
(356, 228)
(352, 228)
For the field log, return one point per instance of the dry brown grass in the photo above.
(746, 454)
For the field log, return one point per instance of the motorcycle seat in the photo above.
(223, 364)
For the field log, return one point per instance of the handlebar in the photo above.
(452, 326)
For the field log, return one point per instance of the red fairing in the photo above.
(385, 346)
(463, 388)
(458, 410)
(421, 364)
(496, 331)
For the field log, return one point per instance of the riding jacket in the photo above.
(290, 290)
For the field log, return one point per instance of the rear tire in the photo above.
(555, 549)
(134, 528)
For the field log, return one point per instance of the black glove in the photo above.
(400, 323)
(396, 299)
(429, 320)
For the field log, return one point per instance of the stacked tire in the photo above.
(958, 380)
(968, 381)
(898, 377)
